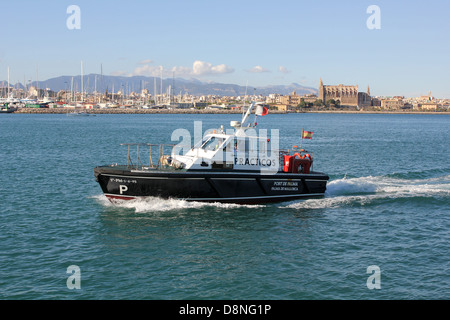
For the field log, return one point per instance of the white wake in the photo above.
(365, 190)
(155, 204)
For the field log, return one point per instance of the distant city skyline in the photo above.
(256, 42)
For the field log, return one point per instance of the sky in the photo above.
(243, 42)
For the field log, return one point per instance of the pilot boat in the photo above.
(228, 167)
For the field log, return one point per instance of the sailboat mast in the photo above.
(101, 82)
(161, 83)
(7, 97)
(172, 96)
(71, 91)
(37, 82)
(82, 91)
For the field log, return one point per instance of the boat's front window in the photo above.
(212, 144)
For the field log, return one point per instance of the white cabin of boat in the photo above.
(222, 151)
(241, 150)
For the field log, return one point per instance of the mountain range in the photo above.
(177, 85)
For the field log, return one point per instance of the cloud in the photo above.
(258, 69)
(146, 70)
(146, 61)
(283, 69)
(181, 71)
(199, 68)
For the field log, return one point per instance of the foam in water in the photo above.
(351, 186)
(154, 204)
(365, 190)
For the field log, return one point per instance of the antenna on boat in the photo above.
(245, 97)
(254, 97)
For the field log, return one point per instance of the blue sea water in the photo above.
(387, 205)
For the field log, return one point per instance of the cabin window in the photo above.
(246, 145)
(230, 146)
(212, 144)
(240, 145)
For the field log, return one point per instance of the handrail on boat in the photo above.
(163, 154)
(162, 148)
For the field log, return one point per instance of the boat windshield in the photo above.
(213, 144)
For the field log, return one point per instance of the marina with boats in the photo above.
(78, 96)
(90, 94)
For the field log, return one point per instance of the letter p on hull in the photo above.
(123, 189)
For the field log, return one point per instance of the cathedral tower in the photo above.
(321, 91)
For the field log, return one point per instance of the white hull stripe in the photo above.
(235, 198)
(120, 196)
(259, 197)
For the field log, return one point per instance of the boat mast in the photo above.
(37, 83)
(247, 114)
(173, 89)
(7, 97)
(82, 89)
(71, 91)
(154, 91)
(245, 97)
(161, 84)
(101, 82)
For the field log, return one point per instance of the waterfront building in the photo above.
(272, 98)
(348, 95)
(426, 98)
(376, 102)
(284, 107)
(392, 104)
(293, 99)
(428, 106)
(309, 98)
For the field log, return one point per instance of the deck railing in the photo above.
(161, 151)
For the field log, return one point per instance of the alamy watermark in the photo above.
(374, 280)
(74, 280)
(255, 148)
(73, 22)
(374, 20)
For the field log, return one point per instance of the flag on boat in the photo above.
(307, 134)
(261, 110)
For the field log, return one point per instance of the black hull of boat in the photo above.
(225, 187)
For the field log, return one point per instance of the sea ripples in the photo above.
(381, 208)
